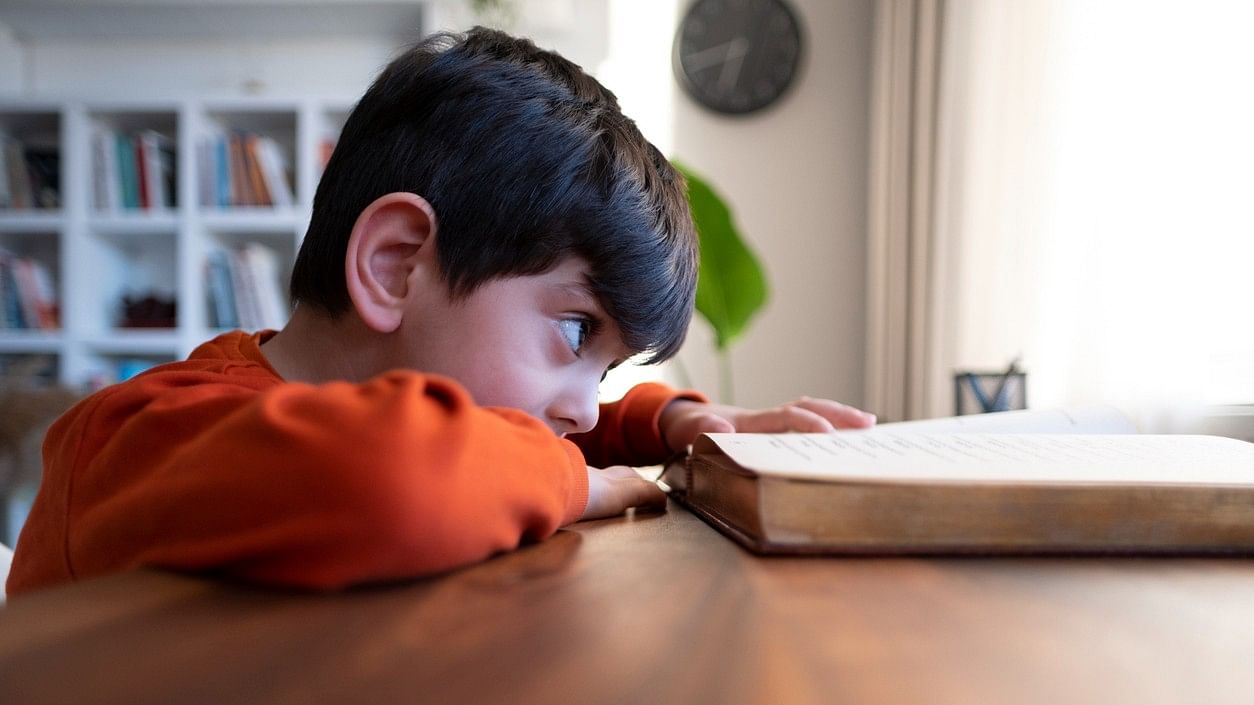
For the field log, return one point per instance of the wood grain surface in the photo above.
(655, 608)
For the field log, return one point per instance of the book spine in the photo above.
(12, 298)
(206, 178)
(112, 172)
(154, 177)
(245, 292)
(99, 191)
(126, 171)
(239, 172)
(27, 293)
(221, 292)
(274, 169)
(45, 296)
(169, 172)
(5, 321)
(19, 177)
(223, 163)
(141, 171)
(264, 270)
(256, 183)
(6, 191)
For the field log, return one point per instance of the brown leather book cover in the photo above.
(908, 493)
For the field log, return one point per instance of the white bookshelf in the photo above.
(98, 255)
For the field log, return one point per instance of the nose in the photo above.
(575, 408)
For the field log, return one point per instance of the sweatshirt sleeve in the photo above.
(313, 486)
(627, 431)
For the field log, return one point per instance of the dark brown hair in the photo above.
(527, 161)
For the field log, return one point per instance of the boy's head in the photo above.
(525, 162)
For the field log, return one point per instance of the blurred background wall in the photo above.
(794, 173)
(1089, 169)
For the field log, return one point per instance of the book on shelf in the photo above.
(237, 172)
(127, 173)
(263, 265)
(222, 311)
(274, 172)
(105, 181)
(30, 175)
(155, 152)
(1068, 481)
(132, 170)
(242, 168)
(28, 297)
(244, 288)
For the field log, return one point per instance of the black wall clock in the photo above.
(737, 56)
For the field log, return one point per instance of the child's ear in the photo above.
(392, 237)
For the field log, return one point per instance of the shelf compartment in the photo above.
(246, 278)
(246, 158)
(39, 368)
(134, 164)
(127, 262)
(30, 274)
(31, 157)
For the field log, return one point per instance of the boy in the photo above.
(490, 237)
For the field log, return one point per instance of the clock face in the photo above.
(737, 56)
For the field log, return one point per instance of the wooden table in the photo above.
(655, 608)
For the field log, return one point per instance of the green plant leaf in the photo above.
(731, 285)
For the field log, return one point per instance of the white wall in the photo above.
(151, 68)
(796, 179)
(12, 62)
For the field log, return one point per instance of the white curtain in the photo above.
(1093, 201)
(901, 243)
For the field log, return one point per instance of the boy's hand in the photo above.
(612, 490)
(683, 420)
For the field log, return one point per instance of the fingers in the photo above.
(612, 490)
(837, 414)
(709, 423)
(684, 431)
(805, 415)
(782, 419)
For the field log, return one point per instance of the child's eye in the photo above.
(576, 332)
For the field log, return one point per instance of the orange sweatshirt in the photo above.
(216, 463)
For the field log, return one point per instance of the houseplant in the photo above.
(731, 286)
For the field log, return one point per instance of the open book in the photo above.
(1014, 482)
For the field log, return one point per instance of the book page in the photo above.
(1085, 419)
(976, 457)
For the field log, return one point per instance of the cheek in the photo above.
(513, 387)
(508, 376)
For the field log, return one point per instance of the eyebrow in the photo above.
(583, 290)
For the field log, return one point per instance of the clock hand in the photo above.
(712, 56)
(731, 66)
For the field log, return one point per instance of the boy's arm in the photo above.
(628, 431)
(313, 486)
(653, 421)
